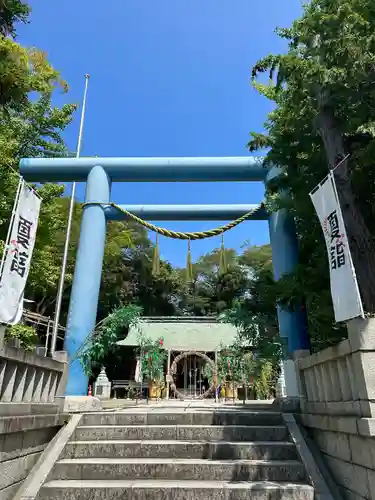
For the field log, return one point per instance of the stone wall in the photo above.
(29, 414)
(337, 386)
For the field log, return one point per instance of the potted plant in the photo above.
(152, 359)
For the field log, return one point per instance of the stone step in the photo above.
(177, 469)
(271, 450)
(184, 418)
(181, 433)
(174, 490)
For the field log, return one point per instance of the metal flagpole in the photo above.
(68, 230)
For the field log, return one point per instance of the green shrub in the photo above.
(25, 334)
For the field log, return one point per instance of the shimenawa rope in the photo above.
(178, 235)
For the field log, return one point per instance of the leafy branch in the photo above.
(104, 339)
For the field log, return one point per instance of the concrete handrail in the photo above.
(28, 378)
(339, 380)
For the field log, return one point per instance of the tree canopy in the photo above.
(11, 12)
(324, 118)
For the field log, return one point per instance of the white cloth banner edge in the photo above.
(32, 206)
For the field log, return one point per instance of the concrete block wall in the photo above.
(337, 388)
(347, 445)
(30, 413)
(22, 440)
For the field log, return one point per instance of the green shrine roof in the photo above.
(184, 333)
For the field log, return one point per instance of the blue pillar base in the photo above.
(77, 381)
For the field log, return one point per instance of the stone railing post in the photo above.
(362, 342)
(62, 357)
(301, 383)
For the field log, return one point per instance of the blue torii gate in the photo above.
(99, 173)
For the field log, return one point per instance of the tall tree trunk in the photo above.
(361, 242)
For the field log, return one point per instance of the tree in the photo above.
(35, 130)
(23, 71)
(29, 128)
(257, 258)
(211, 290)
(324, 110)
(12, 12)
(255, 315)
(43, 289)
(127, 277)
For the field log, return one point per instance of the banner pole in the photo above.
(10, 227)
(68, 230)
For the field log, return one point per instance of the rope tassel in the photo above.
(223, 257)
(178, 235)
(189, 265)
(156, 258)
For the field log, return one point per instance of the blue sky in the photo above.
(168, 78)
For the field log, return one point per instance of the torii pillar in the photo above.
(292, 322)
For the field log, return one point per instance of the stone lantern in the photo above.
(102, 386)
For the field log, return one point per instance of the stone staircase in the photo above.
(179, 455)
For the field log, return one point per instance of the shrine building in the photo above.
(190, 341)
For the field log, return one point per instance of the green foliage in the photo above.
(212, 291)
(103, 341)
(239, 364)
(208, 372)
(23, 71)
(324, 96)
(129, 278)
(229, 366)
(264, 379)
(152, 358)
(25, 334)
(236, 362)
(30, 128)
(11, 12)
(255, 315)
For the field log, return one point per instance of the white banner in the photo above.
(18, 256)
(346, 298)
